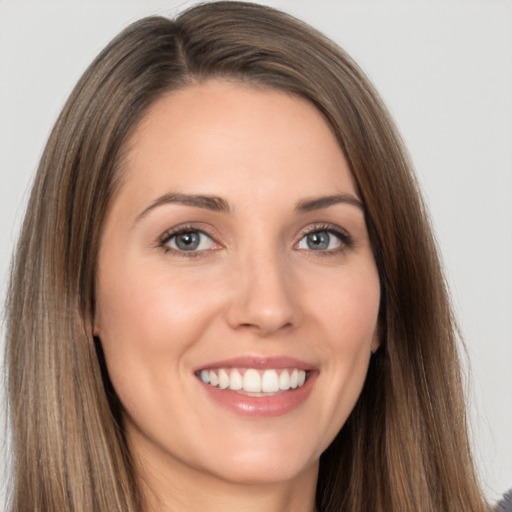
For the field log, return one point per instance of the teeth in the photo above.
(214, 380)
(294, 378)
(223, 379)
(254, 381)
(235, 380)
(270, 382)
(284, 380)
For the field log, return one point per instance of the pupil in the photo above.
(318, 241)
(187, 241)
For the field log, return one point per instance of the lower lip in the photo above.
(262, 406)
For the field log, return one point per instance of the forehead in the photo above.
(221, 138)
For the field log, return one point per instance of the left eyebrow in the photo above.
(213, 203)
(308, 205)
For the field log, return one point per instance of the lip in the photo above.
(259, 363)
(265, 406)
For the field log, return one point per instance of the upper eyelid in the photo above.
(323, 226)
(187, 227)
(172, 235)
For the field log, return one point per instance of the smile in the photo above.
(254, 382)
(258, 386)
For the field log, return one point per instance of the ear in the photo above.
(94, 324)
(96, 331)
(375, 341)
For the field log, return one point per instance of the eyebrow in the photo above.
(213, 203)
(217, 204)
(309, 205)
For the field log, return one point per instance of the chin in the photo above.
(265, 465)
(264, 472)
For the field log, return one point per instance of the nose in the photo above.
(264, 298)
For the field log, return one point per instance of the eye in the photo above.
(190, 240)
(324, 240)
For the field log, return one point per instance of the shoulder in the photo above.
(505, 505)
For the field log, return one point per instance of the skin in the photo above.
(255, 287)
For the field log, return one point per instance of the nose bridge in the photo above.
(264, 298)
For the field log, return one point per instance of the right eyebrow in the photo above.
(213, 203)
(321, 202)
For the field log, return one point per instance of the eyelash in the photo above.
(170, 234)
(344, 237)
(346, 241)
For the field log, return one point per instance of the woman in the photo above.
(226, 292)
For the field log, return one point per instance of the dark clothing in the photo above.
(505, 505)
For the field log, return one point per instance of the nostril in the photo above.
(265, 327)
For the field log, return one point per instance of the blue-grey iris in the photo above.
(318, 241)
(188, 241)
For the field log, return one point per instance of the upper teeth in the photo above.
(254, 381)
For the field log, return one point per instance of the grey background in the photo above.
(444, 68)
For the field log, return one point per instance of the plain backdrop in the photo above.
(444, 68)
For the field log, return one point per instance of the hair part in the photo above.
(405, 445)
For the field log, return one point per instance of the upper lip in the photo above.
(259, 362)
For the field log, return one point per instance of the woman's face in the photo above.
(237, 293)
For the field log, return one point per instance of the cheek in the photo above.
(148, 321)
(348, 316)
(148, 304)
(148, 318)
(350, 310)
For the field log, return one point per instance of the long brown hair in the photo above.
(405, 445)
